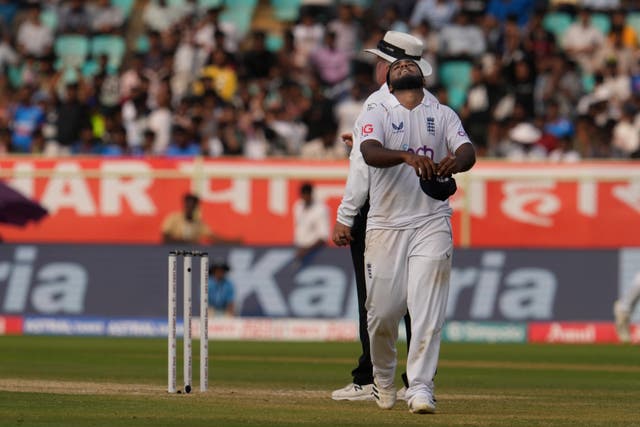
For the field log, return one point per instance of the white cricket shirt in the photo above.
(356, 190)
(430, 129)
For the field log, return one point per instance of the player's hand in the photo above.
(347, 138)
(341, 234)
(447, 166)
(424, 166)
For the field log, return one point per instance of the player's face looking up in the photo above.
(405, 74)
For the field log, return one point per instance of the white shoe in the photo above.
(400, 395)
(422, 404)
(622, 322)
(385, 397)
(354, 392)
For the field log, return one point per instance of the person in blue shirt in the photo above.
(221, 290)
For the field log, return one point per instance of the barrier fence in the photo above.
(94, 200)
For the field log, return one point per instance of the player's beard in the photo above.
(407, 81)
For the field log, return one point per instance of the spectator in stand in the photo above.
(346, 29)
(26, 120)
(8, 55)
(220, 76)
(221, 290)
(582, 40)
(564, 152)
(74, 17)
(257, 61)
(307, 36)
(503, 9)
(438, 12)
(330, 63)
(555, 123)
(476, 112)
(33, 37)
(461, 39)
(159, 16)
(524, 138)
(73, 115)
(159, 122)
(117, 145)
(105, 17)
(135, 112)
(626, 135)
(182, 144)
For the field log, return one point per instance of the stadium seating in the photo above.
(208, 4)
(71, 50)
(455, 76)
(557, 23)
(49, 17)
(113, 46)
(125, 5)
(602, 22)
(286, 10)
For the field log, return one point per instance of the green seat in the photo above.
(209, 4)
(455, 76)
(557, 23)
(71, 50)
(602, 22)
(49, 18)
(111, 45)
(126, 6)
(248, 5)
(455, 73)
(274, 42)
(238, 17)
(286, 10)
(457, 96)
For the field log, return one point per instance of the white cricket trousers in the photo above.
(408, 269)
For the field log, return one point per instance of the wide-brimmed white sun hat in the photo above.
(396, 45)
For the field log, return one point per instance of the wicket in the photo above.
(187, 258)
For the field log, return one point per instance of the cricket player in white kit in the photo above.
(394, 45)
(409, 240)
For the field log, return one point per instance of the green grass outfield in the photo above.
(46, 381)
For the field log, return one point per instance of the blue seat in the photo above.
(286, 10)
(49, 18)
(557, 23)
(71, 50)
(113, 46)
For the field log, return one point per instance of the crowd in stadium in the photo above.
(556, 80)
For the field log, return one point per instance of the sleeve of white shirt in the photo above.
(356, 190)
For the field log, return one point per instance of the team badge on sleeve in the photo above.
(461, 132)
(367, 129)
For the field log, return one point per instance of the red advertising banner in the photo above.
(11, 325)
(577, 333)
(94, 200)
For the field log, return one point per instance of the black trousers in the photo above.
(363, 373)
